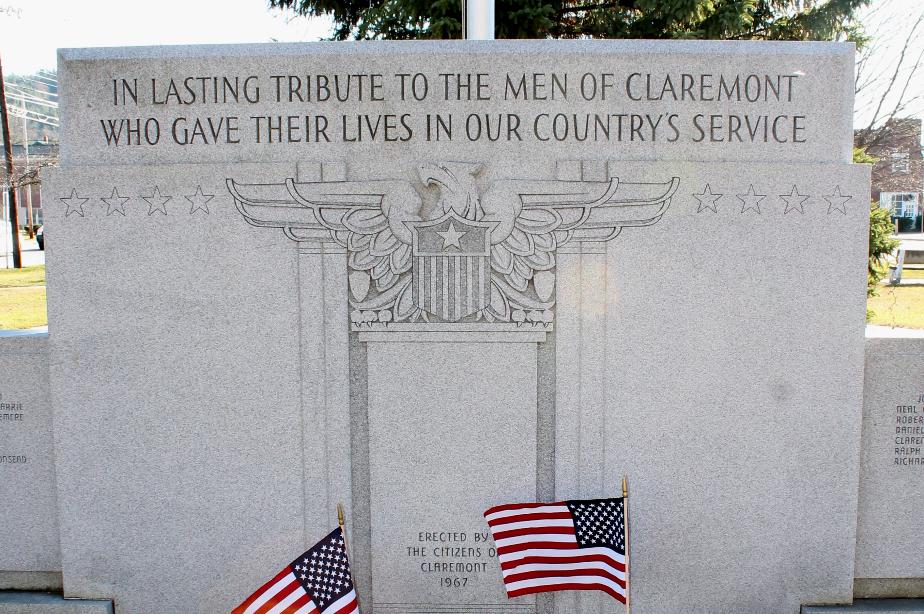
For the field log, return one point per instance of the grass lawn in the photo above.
(27, 276)
(912, 273)
(901, 306)
(22, 298)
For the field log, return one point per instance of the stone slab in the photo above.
(464, 441)
(44, 603)
(734, 396)
(188, 387)
(29, 539)
(891, 494)
(820, 76)
(232, 395)
(870, 606)
(177, 418)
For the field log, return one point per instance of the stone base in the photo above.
(45, 603)
(869, 606)
(888, 588)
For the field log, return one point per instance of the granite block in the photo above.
(870, 606)
(891, 494)
(29, 535)
(45, 603)
(803, 92)
(237, 347)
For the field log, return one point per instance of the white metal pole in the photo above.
(28, 186)
(4, 230)
(479, 20)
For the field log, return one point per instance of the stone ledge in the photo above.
(46, 603)
(869, 606)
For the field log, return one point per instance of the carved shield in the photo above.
(452, 269)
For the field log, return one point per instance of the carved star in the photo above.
(837, 201)
(199, 200)
(157, 201)
(74, 203)
(751, 200)
(794, 201)
(115, 203)
(451, 236)
(707, 200)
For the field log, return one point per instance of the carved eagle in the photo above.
(375, 221)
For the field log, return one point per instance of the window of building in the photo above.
(902, 204)
(900, 162)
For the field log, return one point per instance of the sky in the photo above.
(31, 30)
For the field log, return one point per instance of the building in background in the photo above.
(898, 176)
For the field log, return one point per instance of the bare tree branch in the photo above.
(894, 79)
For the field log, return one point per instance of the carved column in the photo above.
(324, 362)
(580, 359)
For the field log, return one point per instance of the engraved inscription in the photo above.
(11, 415)
(909, 434)
(452, 559)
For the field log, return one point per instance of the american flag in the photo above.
(570, 545)
(316, 582)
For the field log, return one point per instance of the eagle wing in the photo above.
(549, 214)
(367, 218)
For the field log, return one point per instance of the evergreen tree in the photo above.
(694, 19)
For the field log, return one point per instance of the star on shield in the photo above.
(451, 276)
(451, 236)
(74, 203)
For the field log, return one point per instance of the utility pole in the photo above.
(8, 150)
(28, 187)
(478, 21)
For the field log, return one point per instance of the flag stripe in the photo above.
(306, 608)
(549, 542)
(531, 517)
(285, 604)
(267, 592)
(558, 572)
(553, 567)
(547, 532)
(576, 581)
(344, 605)
(433, 305)
(445, 287)
(517, 508)
(566, 586)
(273, 600)
(614, 560)
(241, 609)
(558, 552)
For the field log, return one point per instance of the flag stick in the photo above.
(625, 517)
(341, 520)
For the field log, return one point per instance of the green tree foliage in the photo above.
(881, 243)
(695, 19)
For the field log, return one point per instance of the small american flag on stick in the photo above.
(317, 582)
(569, 545)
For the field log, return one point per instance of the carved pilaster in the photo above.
(325, 379)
